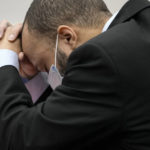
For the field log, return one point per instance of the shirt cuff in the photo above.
(9, 57)
(37, 86)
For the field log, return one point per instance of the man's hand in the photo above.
(5, 44)
(15, 31)
(27, 70)
(9, 36)
(3, 26)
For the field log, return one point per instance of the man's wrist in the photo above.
(9, 57)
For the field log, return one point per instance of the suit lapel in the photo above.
(131, 8)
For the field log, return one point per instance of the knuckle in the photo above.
(19, 26)
(2, 27)
(4, 24)
(16, 28)
(9, 29)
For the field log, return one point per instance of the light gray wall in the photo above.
(115, 5)
(14, 10)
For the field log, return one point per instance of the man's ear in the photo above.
(67, 35)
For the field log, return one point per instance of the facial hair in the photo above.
(62, 61)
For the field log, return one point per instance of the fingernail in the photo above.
(11, 37)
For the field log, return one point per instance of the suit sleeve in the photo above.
(84, 111)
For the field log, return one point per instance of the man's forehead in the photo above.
(21, 34)
(27, 39)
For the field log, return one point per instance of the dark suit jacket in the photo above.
(103, 103)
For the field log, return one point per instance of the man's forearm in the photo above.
(35, 86)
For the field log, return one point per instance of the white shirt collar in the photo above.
(109, 22)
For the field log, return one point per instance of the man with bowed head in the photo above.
(98, 72)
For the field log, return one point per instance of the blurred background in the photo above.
(15, 10)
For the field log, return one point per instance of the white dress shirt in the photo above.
(39, 83)
(108, 23)
(8, 57)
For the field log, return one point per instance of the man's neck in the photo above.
(109, 21)
(86, 34)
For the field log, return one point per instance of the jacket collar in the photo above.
(131, 8)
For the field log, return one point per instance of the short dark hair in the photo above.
(44, 16)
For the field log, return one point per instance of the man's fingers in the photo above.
(21, 56)
(15, 31)
(3, 26)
